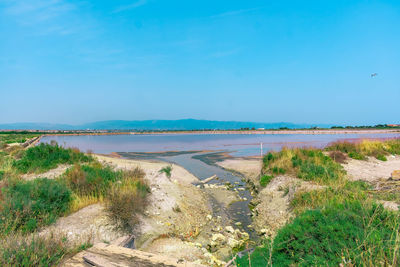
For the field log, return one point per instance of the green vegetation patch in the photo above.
(45, 157)
(350, 233)
(36, 251)
(367, 148)
(94, 180)
(306, 164)
(26, 205)
(167, 170)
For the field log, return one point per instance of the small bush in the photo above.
(26, 205)
(346, 234)
(356, 155)
(167, 170)
(307, 164)
(265, 179)
(338, 156)
(45, 157)
(35, 251)
(1, 175)
(128, 198)
(94, 180)
(381, 157)
(371, 148)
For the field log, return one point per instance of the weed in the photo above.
(30, 204)
(94, 180)
(167, 170)
(307, 164)
(127, 199)
(265, 179)
(44, 157)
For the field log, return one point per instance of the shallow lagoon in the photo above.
(237, 144)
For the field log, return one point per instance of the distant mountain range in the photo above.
(185, 124)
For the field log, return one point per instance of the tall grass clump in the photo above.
(341, 234)
(93, 180)
(27, 205)
(127, 199)
(17, 250)
(307, 164)
(367, 148)
(44, 157)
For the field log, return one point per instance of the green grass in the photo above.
(167, 170)
(8, 138)
(27, 205)
(346, 233)
(91, 179)
(265, 179)
(36, 251)
(307, 164)
(45, 157)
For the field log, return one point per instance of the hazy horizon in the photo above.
(73, 62)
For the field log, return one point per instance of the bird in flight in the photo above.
(373, 75)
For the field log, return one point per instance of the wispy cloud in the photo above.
(235, 12)
(51, 16)
(130, 6)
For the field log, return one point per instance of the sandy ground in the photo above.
(51, 174)
(89, 224)
(250, 168)
(273, 209)
(372, 169)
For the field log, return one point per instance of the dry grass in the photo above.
(82, 201)
(127, 198)
(367, 148)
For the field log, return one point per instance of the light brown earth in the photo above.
(372, 169)
(250, 168)
(273, 209)
(51, 174)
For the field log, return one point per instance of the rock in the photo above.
(209, 217)
(220, 238)
(229, 229)
(238, 223)
(396, 175)
(233, 243)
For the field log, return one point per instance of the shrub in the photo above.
(35, 251)
(127, 198)
(381, 157)
(167, 170)
(1, 175)
(30, 204)
(307, 164)
(356, 155)
(372, 148)
(93, 180)
(338, 156)
(346, 234)
(44, 157)
(265, 179)
(322, 237)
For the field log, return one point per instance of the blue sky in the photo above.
(66, 61)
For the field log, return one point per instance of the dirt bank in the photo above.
(372, 169)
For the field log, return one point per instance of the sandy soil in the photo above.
(51, 174)
(372, 169)
(273, 209)
(88, 224)
(250, 168)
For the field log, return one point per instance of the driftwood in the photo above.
(209, 179)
